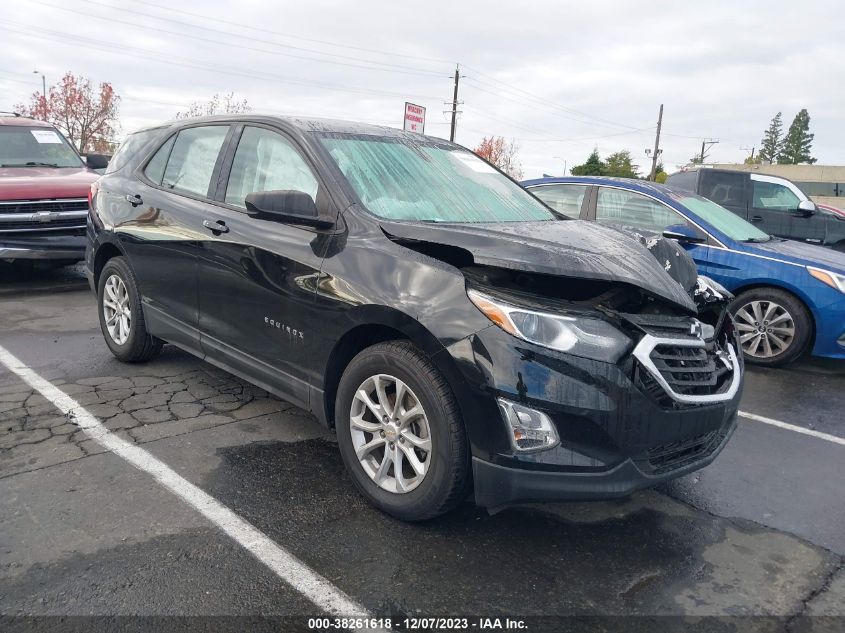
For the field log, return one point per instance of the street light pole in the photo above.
(43, 94)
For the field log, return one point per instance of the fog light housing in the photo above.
(528, 429)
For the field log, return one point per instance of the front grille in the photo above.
(675, 455)
(49, 206)
(689, 370)
(29, 216)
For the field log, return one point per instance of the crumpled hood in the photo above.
(44, 183)
(568, 248)
(802, 253)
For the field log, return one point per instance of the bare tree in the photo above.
(226, 104)
(502, 154)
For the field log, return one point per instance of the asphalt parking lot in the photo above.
(84, 532)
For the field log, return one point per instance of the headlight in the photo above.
(581, 335)
(833, 280)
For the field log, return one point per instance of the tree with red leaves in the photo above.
(87, 117)
(502, 154)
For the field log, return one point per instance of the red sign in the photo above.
(414, 118)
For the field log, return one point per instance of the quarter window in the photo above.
(155, 168)
(565, 199)
(266, 161)
(770, 195)
(626, 208)
(192, 159)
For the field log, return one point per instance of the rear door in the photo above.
(162, 207)
(774, 209)
(257, 277)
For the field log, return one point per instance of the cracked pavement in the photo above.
(758, 533)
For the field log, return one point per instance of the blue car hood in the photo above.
(801, 253)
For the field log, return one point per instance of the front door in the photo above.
(257, 277)
(774, 209)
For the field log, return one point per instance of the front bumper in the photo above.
(43, 247)
(615, 435)
(830, 326)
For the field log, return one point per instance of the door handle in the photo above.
(134, 199)
(216, 227)
(756, 218)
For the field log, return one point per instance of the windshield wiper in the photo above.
(758, 240)
(31, 163)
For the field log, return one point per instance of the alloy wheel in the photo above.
(390, 433)
(116, 310)
(766, 328)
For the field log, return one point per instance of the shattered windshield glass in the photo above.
(401, 178)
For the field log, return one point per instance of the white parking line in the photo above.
(284, 564)
(792, 427)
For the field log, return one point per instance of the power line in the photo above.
(294, 37)
(113, 47)
(382, 66)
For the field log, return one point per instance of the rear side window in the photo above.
(565, 199)
(266, 161)
(626, 208)
(192, 159)
(129, 148)
(724, 188)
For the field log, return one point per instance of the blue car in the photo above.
(790, 296)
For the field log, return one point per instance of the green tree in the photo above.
(620, 165)
(593, 167)
(772, 142)
(660, 174)
(753, 160)
(798, 141)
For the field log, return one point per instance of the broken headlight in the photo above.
(586, 336)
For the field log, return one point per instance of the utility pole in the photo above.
(455, 104)
(745, 149)
(653, 173)
(704, 145)
(43, 92)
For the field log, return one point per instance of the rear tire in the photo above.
(121, 316)
(774, 326)
(431, 441)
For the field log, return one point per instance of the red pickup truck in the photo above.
(44, 188)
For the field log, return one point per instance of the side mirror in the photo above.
(97, 161)
(288, 206)
(806, 208)
(683, 234)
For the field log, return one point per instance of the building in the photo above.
(824, 184)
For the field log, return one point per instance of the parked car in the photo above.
(453, 330)
(790, 297)
(44, 188)
(774, 205)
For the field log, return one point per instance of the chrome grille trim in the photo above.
(643, 352)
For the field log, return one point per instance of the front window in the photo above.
(22, 146)
(426, 181)
(773, 196)
(720, 218)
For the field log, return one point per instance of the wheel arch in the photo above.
(376, 324)
(799, 296)
(105, 252)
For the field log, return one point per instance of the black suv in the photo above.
(452, 329)
(773, 204)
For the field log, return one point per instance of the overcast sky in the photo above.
(559, 78)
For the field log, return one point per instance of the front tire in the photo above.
(121, 317)
(400, 432)
(774, 326)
